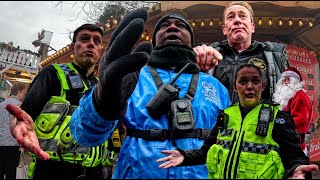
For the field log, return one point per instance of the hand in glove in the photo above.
(118, 62)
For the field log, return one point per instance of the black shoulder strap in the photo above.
(192, 87)
(156, 78)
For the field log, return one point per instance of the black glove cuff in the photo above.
(109, 111)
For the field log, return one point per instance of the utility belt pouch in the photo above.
(181, 115)
(51, 115)
(66, 141)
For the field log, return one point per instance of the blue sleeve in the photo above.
(87, 127)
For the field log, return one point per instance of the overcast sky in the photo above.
(20, 22)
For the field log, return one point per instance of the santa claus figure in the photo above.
(293, 98)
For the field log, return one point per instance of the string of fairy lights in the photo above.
(290, 21)
(258, 21)
(113, 22)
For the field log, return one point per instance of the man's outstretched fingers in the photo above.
(41, 154)
(126, 64)
(17, 112)
(138, 13)
(31, 145)
(128, 36)
(144, 46)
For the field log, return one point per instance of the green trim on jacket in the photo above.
(240, 153)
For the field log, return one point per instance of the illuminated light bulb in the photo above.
(300, 23)
(108, 25)
(260, 21)
(290, 22)
(211, 22)
(71, 56)
(147, 37)
(310, 24)
(270, 22)
(202, 24)
(280, 22)
(115, 21)
(193, 24)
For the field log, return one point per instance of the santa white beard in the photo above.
(284, 92)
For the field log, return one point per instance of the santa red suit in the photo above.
(292, 98)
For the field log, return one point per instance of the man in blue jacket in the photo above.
(100, 111)
(127, 87)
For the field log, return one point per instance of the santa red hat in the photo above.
(292, 72)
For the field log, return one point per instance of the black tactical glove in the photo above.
(108, 96)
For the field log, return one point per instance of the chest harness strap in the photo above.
(163, 134)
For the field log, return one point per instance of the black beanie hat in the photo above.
(170, 16)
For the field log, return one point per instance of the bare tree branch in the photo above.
(89, 11)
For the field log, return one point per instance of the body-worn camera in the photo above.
(222, 120)
(182, 115)
(265, 116)
(161, 102)
(75, 81)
